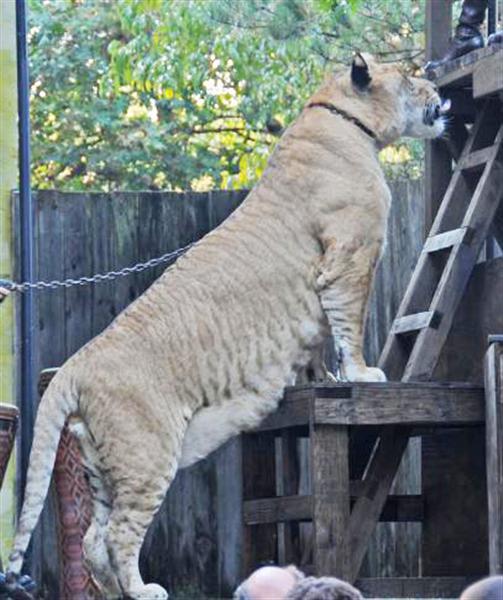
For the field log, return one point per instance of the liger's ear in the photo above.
(360, 75)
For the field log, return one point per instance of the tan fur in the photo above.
(207, 351)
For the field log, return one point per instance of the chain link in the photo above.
(98, 278)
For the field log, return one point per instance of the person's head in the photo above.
(269, 583)
(490, 588)
(323, 588)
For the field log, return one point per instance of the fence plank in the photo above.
(77, 260)
(494, 452)
(102, 307)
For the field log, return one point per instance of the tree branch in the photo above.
(240, 130)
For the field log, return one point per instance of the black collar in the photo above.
(345, 115)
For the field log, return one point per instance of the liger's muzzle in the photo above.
(433, 111)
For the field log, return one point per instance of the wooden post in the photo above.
(438, 24)
(8, 182)
(331, 500)
(494, 451)
(438, 161)
(259, 481)
(288, 533)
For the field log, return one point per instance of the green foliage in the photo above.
(174, 94)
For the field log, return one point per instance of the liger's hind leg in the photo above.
(95, 548)
(139, 454)
(131, 516)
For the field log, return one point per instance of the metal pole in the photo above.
(27, 376)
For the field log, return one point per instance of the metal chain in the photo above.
(98, 278)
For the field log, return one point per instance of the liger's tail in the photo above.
(58, 402)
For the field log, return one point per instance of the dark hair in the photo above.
(323, 588)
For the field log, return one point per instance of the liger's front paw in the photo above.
(151, 591)
(366, 374)
(370, 374)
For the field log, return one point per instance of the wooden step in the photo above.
(447, 239)
(411, 323)
(479, 158)
(398, 509)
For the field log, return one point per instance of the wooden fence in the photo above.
(194, 544)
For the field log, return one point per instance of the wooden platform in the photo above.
(345, 503)
(481, 68)
(404, 404)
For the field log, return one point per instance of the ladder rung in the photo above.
(447, 239)
(478, 158)
(421, 320)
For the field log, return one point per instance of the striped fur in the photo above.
(207, 351)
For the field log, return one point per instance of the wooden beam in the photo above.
(494, 453)
(414, 322)
(447, 239)
(278, 510)
(378, 479)
(373, 405)
(438, 26)
(478, 159)
(458, 73)
(284, 509)
(488, 76)
(331, 503)
(437, 404)
(288, 533)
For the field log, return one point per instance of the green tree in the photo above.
(178, 94)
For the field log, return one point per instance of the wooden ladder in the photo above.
(425, 315)
(449, 254)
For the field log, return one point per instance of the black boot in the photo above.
(495, 38)
(467, 36)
